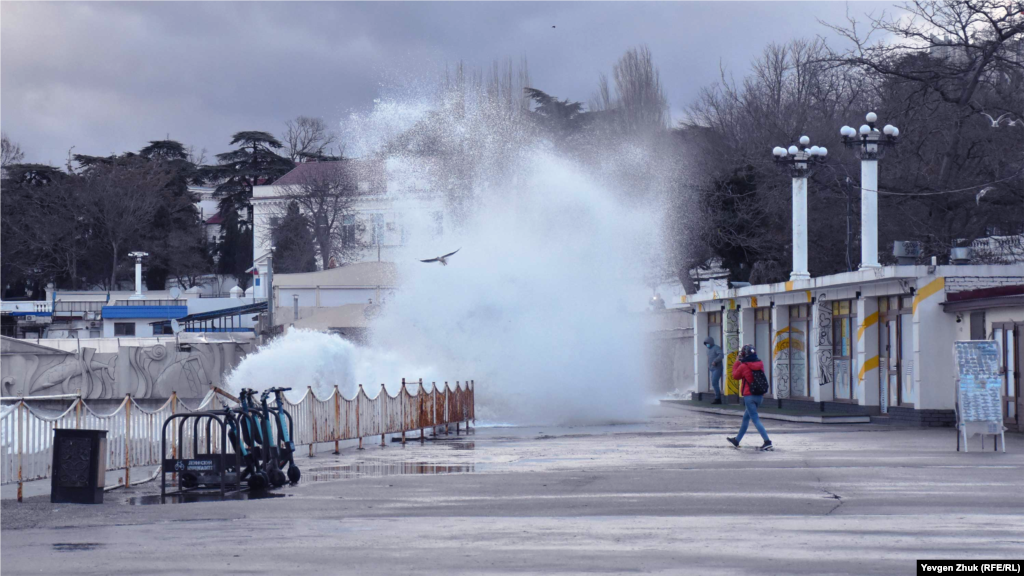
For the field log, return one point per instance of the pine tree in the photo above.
(254, 162)
(294, 248)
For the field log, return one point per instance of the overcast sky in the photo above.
(109, 77)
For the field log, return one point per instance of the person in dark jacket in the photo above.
(743, 370)
(715, 364)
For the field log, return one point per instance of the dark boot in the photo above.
(717, 401)
(734, 442)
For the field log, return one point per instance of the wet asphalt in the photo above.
(667, 496)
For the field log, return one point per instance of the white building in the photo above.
(387, 212)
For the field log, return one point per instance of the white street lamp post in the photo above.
(800, 162)
(138, 274)
(869, 143)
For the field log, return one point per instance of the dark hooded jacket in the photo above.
(715, 354)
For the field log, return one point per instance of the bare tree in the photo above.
(120, 200)
(10, 152)
(641, 102)
(957, 50)
(308, 137)
(325, 193)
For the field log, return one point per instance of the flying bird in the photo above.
(442, 259)
(995, 121)
(980, 195)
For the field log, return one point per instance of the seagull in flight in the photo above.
(442, 259)
(996, 121)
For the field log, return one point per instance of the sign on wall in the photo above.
(979, 401)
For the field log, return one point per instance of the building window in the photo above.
(715, 327)
(348, 229)
(162, 330)
(763, 341)
(895, 351)
(275, 221)
(378, 229)
(438, 223)
(844, 316)
(799, 367)
(124, 328)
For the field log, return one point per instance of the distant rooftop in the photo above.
(359, 274)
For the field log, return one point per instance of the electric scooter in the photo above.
(251, 440)
(271, 449)
(285, 436)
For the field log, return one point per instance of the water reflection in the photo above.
(379, 469)
(190, 497)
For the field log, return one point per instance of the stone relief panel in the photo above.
(144, 372)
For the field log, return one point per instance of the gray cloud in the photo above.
(108, 77)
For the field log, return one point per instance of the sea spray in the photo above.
(322, 361)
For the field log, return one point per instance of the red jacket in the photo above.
(745, 371)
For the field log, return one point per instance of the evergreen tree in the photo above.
(294, 248)
(254, 162)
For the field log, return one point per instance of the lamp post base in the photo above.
(799, 276)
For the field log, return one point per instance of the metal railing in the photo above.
(134, 433)
(178, 302)
(70, 306)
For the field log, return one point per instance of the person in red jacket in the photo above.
(743, 370)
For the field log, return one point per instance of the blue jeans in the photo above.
(716, 381)
(752, 402)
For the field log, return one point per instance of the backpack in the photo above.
(759, 387)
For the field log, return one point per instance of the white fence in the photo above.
(134, 434)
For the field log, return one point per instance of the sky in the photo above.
(109, 77)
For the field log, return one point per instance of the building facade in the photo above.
(875, 341)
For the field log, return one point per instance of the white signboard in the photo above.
(979, 388)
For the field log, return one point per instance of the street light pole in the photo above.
(870, 145)
(799, 163)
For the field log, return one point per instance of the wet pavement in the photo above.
(663, 496)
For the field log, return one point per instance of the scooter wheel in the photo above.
(294, 474)
(258, 481)
(277, 478)
(189, 480)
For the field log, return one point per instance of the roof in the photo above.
(221, 313)
(215, 219)
(356, 275)
(984, 298)
(344, 316)
(361, 169)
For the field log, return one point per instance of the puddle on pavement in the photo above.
(379, 469)
(191, 497)
(76, 546)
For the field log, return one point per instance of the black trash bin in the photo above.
(79, 466)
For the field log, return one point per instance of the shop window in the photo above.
(763, 341)
(799, 367)
(843, 350)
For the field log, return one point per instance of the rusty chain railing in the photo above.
(134, 433)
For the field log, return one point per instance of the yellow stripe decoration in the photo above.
(809, 297)
(869, 365)
(753, 302)
(870, 321)
(789, 286)
(682, 299)
(929, 289)
(700, 307)
(732, 305)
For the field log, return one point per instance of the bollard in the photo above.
(337, 418)
(127, 440)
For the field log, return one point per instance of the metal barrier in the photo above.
(134, 433)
